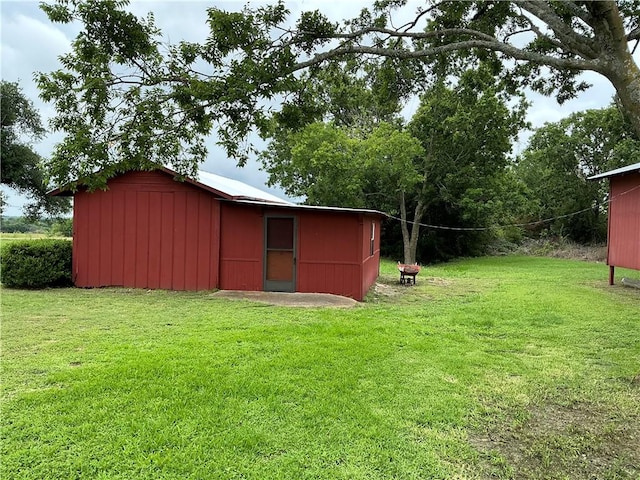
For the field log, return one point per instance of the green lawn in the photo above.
(511, 367)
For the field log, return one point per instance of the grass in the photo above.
(6, 238)
(512, 367)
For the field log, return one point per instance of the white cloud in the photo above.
(30, 44)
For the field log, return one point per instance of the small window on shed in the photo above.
(373, 239)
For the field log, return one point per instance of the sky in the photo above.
(31, 43)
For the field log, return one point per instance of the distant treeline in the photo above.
(62, 227)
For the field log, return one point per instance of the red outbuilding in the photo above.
(623, 244)
(148, 230)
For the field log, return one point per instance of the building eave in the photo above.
(293, 206)
(633, 168)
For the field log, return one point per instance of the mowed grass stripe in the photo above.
(116, 383)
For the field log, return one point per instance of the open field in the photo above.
(12, 237)
(510, 367)
(6, 238)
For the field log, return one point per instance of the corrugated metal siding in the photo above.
(146, 231)
(624, 222)
(241, 247)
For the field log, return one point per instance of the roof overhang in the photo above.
(634, 168)
(239, 196)
(293, 206)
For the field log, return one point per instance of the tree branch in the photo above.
(495, 45)
(569, 38)
(634, 34)
(583, 15)
(610, 24)
(413, 35)
(409, 25)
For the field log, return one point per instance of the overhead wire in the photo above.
(525, 224)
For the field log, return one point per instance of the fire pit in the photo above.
(408, 273)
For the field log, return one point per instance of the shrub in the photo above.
(36, 264)
(62, 228)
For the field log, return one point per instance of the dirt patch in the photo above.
(289, 299)
(556, 441)
(441, 282)
(387, 290)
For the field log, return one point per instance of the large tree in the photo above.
(329, 165)
(467, 131)
(557, 163)
(20, 166)
(449, 165)
(122, 96)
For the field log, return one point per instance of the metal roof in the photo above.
(235, 189)
(223, 186)
(618, 171)
(239, 192)
(310, 207)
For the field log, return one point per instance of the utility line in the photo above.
(527, 224)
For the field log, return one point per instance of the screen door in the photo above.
(280, 254)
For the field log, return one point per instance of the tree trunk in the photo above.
(626, 81)
(617, 63)
(410, 240)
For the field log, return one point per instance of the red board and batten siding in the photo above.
(241, 253)
(370, 262)
(149, 231)
(623, 248)
(146, 231)
(333, 249)
(329, 253)
(334, 253)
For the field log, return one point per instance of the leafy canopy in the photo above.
(467, 131)
(558, 161)
(125, 100)
(330, 166)
(20, 166)
(449, 164)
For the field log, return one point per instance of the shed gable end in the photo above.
(146, 231)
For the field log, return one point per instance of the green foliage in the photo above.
(391, 165)
(124, 102)
(449, 165)
(36, 264)
(23, 225)
(329, 165)
(320, 164)
(59, 227)
(62, 228)
(20, 166)
(467, 131)
(560, 158)
(18, 115)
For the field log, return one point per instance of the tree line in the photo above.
(448, 175)
(57, 227)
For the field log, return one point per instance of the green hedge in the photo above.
(36, 264)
